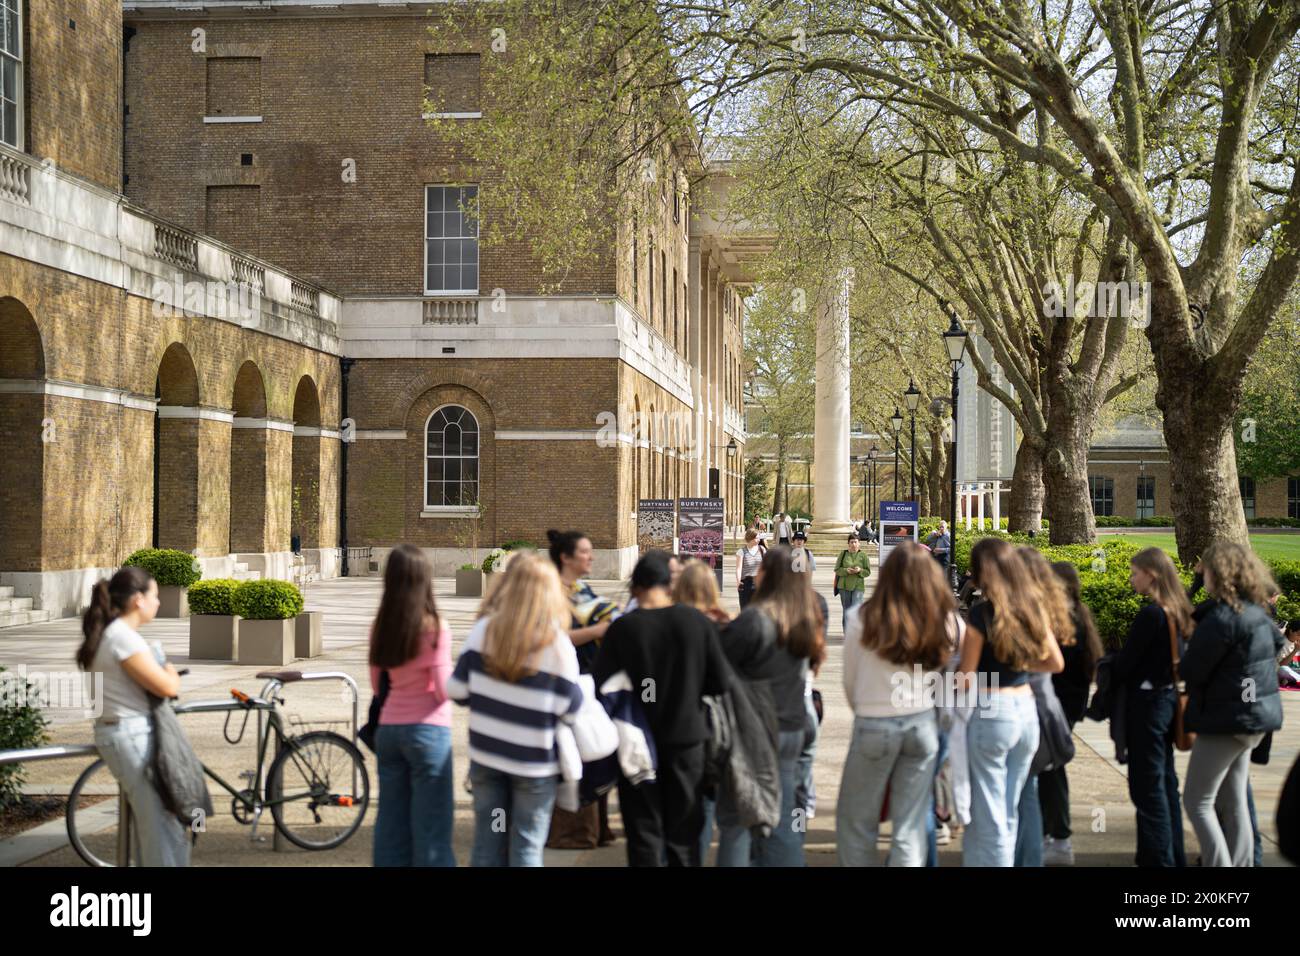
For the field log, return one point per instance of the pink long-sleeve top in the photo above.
(417, 691)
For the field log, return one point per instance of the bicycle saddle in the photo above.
(284, 677)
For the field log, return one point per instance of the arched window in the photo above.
(451, 449)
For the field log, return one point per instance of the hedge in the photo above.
(169, 568)
(267, 600)
(930, 523)
(214, 596)
(22, 725)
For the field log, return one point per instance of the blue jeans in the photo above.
(1152, 780)
(1254, 825)
(805, 793)
(931, 830)
(1029, 831)
(512, 815)
(784, 847)
(158, 838)
(897, 754)
(416, 796)
(849, 600)
(1001, 738)
(710, 807)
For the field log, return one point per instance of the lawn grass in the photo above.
(1282, 547)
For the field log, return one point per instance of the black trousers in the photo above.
(746, 591)
(1054, 799)
(663, 819)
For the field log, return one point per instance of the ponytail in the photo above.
(108, 600)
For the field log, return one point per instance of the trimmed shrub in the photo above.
(22, 725)
(213, 596)
(494, 561)
(518, 546)
(169, 568)
(267, 600)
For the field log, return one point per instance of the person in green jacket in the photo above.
(851, 573)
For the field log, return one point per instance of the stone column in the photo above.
(695, 356)
(831, 519)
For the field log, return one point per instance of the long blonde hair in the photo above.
(698, 588)
(1052, 592)
(524, 613)
(1019, 629)
(1166, 587)
(1233, 574)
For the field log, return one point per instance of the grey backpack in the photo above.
(175, 768)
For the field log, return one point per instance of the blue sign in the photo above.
(900, 511)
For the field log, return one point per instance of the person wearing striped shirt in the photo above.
(518, 674)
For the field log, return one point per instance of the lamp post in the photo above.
(954, 341)
(896, 423)
(913, 398)
(871, 457)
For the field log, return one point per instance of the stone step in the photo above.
(18, 618)
(11, 605)
(247, 575)
(6, 592)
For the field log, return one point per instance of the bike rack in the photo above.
(59, 751)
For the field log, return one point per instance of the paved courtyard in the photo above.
(1103, 817)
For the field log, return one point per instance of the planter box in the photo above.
(214, 637)
(469, 582)
(173, 601)
(266, 642)
(307, 634)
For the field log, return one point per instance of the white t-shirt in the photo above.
(123, 697)
(877, 688)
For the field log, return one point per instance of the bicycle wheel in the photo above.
(92, 829)
(318, 790)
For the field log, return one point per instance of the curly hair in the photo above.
(1233, 574)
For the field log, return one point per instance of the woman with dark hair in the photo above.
(1009, 635)
(670, 654)
(410, 648)
(777, 638)
(1081, 648)
(1145, 667)
(1232, 700)
(113, 647)
(572, 553)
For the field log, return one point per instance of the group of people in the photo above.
(950, 727)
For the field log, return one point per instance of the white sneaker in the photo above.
(1057, 852)
(942, 835)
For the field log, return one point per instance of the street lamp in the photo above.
(871, 457)
(913, 398)
(954, 341)
(896, 422)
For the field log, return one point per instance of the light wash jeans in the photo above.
(512, 815)
(158, 838)
(1214, 798)
(784, 847)
(848, 601)
(416, 796)
(1029, 825)
(897, 754)
(1001, 741)
(805, 790)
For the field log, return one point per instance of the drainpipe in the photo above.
(127, 34)
(345, 364)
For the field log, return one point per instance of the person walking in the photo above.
(1008, 636)
(801, 557)
(1232, 700)
(124, 736)
(895, 645)
(775, 639)
(1144, 666)
(410, 649)
(518, 674)
(748, 559)
(783, 532)
(671, 651)
(851, 573)
(939, 542)
(1081, 651)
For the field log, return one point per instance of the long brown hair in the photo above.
(1018, 630)
(1233, 574)
(1051, 591)
(905, 621)
(528, 609)
(787, 597)
(108, 600)
(698, 588)
(1166, 588)
(1086, 634)
(408, 600)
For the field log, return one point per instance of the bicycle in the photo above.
(316, 785)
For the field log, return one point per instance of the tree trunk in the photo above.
(938, 470)
(1065, 483)
(1026, 506)
(778, 492)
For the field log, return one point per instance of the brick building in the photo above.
(236, 220)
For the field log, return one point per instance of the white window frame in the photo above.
(432, 510)
(20, 120)
(450, 293)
